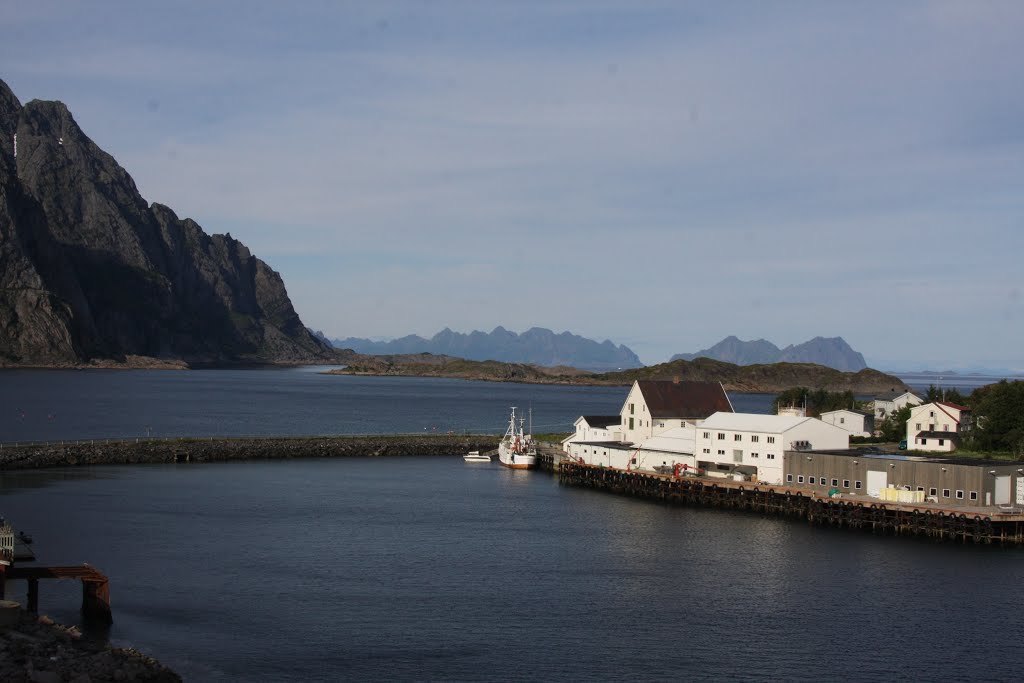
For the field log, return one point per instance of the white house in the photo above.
(937, 426)
(594, 428)
(750, 446)
(888, 403)
(857, 422)
(654, 406)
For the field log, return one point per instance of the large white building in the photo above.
(654, 427)
(750, 446)
(937, 426)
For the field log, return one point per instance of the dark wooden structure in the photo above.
(95, 587)
(930, 520)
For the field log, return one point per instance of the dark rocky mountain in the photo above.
(536, 346)
(89, 271)
(831, 352)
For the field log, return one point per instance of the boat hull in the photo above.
(516, 461)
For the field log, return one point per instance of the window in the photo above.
(917, 426)
(770, 456)
(945, 427)
(755, 438)
(721, 436)
(920, 488)
(810, 480)
(933, 491)
(707, 450)
(974, 495)
(771, 439)
(945, 493)
(630, 408)
(857, 485)
(707, 435)
(842, 420)
(789, 477)
(753, 455)
(835, 483)
(942, 442)
(931, 413)
(800, 479)
(630, 423)
(959, 494)
(846, 483)
(721, 452)
(737, 437)
(924, 442)
(737, 455)
(661, 424)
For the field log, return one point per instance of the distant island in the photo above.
(831, 352)
(536, 346)
(771, 378)
(92, 275)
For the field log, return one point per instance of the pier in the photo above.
(941, 522)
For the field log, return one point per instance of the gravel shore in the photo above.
(39, 651)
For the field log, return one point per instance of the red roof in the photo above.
(955, 406)
(697, 400)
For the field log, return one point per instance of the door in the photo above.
(1003, 490)
(876, 482)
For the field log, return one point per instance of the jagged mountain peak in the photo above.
(832, 352)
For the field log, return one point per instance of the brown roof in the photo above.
(684, 399)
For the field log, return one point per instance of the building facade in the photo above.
(937, 426)
(857, 422)
(888, 403)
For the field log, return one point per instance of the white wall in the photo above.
(847, 420)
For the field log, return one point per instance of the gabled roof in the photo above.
(666, 398)
(754, 422)
(894, 394)
(954, 406)
(849, 410)
(602, 421)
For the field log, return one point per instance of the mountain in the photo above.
(536, 346)
(831, 352)
(90, 272)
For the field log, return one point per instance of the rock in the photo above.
(89, 271)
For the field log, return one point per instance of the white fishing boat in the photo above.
(474, 456)
(517, 449)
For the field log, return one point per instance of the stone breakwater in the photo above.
(101, 452)
(38, 650)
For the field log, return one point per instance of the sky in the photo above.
(662, 174)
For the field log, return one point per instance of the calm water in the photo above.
(428, 568)
(50, 405)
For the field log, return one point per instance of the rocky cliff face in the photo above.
(89, 270)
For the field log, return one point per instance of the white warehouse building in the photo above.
(753, 447)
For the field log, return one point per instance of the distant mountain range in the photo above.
(831, 352)
(536, 346)
(90, 273)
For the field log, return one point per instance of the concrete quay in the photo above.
(217, 449)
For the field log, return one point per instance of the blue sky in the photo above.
(661, 174)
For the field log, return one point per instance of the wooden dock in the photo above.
(941, 522)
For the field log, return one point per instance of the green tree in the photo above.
(999, 417)
(939, 394)
(895, 426)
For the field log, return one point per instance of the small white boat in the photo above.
(474, 456)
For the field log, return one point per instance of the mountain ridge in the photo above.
(92, 273)
(831, 352)
(536, 346)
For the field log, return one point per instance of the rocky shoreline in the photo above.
(113, 452)
(37, 650)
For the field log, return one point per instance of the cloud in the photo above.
(698, 170)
